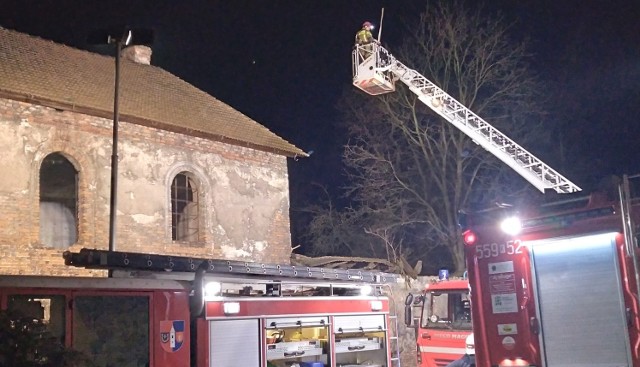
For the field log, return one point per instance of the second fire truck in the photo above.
(442, 322)
(167, 311)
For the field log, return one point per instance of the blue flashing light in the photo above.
(443, 274)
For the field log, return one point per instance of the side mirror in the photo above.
(408, 312)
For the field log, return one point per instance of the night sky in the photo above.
(286, 63)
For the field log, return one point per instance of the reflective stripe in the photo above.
(442, 350)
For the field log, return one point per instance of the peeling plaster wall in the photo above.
(243, 193)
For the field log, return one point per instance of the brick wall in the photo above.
(243, 192)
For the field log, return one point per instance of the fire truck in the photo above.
(557, 285)
(168, 311)
(561, 292)
(443, 321)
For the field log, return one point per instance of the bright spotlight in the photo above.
(212, 289)
(511, 226)
(366, 290)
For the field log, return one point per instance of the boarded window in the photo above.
(185, 221)
(58, 202)
(112, 330)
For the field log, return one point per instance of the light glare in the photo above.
(511, 226)
(212, 289)
(366, 290)
(469, 237)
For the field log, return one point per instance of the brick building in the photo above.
(196, 177)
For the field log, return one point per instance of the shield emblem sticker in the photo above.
(171, 335)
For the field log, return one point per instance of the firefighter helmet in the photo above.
(367, 24)
(470, 347)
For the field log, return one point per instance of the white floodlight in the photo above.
(511, 226)
(212, 289)
(366, 290)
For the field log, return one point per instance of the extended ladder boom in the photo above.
(116, 260)
(376, 74)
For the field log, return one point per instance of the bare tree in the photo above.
(411, 172)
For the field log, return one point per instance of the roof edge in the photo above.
(27, 98)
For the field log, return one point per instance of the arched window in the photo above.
(58, 202)
(185, 222)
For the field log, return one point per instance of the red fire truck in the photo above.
(443, 321)
(558, 287)
(564, 289)
(167, 311)
(375, 71)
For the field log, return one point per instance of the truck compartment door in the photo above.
(580, 302)
(234, 343)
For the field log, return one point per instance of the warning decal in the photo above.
(504, 303)
(502, 283)
(503, 292)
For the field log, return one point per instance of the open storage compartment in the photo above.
(302, 340)
(360, 341)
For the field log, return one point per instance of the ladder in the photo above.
(116, 260)
(394, 338)
(377, 73)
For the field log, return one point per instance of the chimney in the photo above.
(138, 54)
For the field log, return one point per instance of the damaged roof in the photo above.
(42, 72)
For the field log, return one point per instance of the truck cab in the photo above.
(443, 322)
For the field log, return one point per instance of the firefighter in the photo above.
(469, 357)
(364, 40)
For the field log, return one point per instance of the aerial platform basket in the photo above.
(369, 72)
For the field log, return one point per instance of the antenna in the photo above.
(380, 29)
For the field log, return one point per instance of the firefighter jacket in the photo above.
(364, 37)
